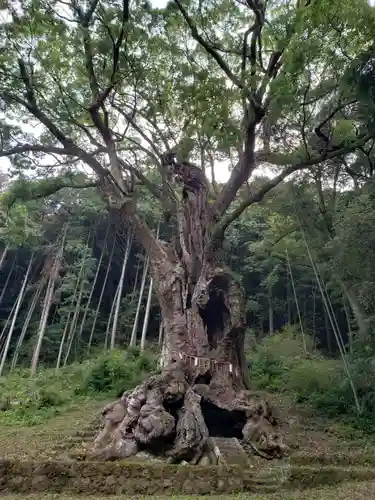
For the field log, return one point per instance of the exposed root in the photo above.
(191, 430)
(154, 422)
(168, 417)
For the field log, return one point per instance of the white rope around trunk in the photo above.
(206, 363)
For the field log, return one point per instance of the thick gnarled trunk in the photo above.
(201, 391)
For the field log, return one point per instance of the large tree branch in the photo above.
(33, 190)
(115, 55)
(69, 145)
(238, 177)
(253, 198)
(302, 164)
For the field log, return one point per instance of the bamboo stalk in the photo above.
(342, 353)
(296, 300)
(93, 284)
(120, 288)
(101, 296)
(15, 314)
(133, 338)
(25, 326)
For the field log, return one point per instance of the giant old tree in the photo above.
(154, 98)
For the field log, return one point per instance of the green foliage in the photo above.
(117, 372)
(28, 401)
(280, 364)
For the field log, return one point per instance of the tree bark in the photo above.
(202, 390)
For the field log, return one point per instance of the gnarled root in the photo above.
(168, 417)
(261, 432)
(154, 422)
(191, 431)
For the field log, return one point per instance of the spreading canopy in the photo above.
(112, 85)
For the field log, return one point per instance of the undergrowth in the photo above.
(29, 401)
(280, 364)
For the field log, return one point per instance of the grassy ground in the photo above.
(58, 414)
(343, 492)
(39, 441)
(304, 432)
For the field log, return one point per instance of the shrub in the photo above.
(280, 364)
(117, 371)
(29, 400)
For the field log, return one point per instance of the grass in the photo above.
(41, 415)
(40, 440)
(348, 491)
(280, 364)
(26, 401)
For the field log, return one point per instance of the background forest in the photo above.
(303, 335)
(74, 285)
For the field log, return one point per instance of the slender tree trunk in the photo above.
(334, 319)
(296, 301)
(110, 318)
(62, 343)
(136, 276)
(54, 277)
(270, 311)
(133, 338)
(314, 318)
(73, 324)
(350, 332)
(7, 281)
(5, 327)
(3, 256)
(147, 315)
(289, 317)
(336, 333)
(160, 341)
(148, 306)
(120, 288)
(25, 326)
(101, 295)
(43, 323)
(99, 265)
(15, 315)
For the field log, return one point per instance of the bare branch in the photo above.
(68, 144)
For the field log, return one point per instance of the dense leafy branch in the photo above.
(28, 190)
(258, 195)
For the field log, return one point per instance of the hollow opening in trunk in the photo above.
(215, 314)
(223, 423)
(203, 378)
